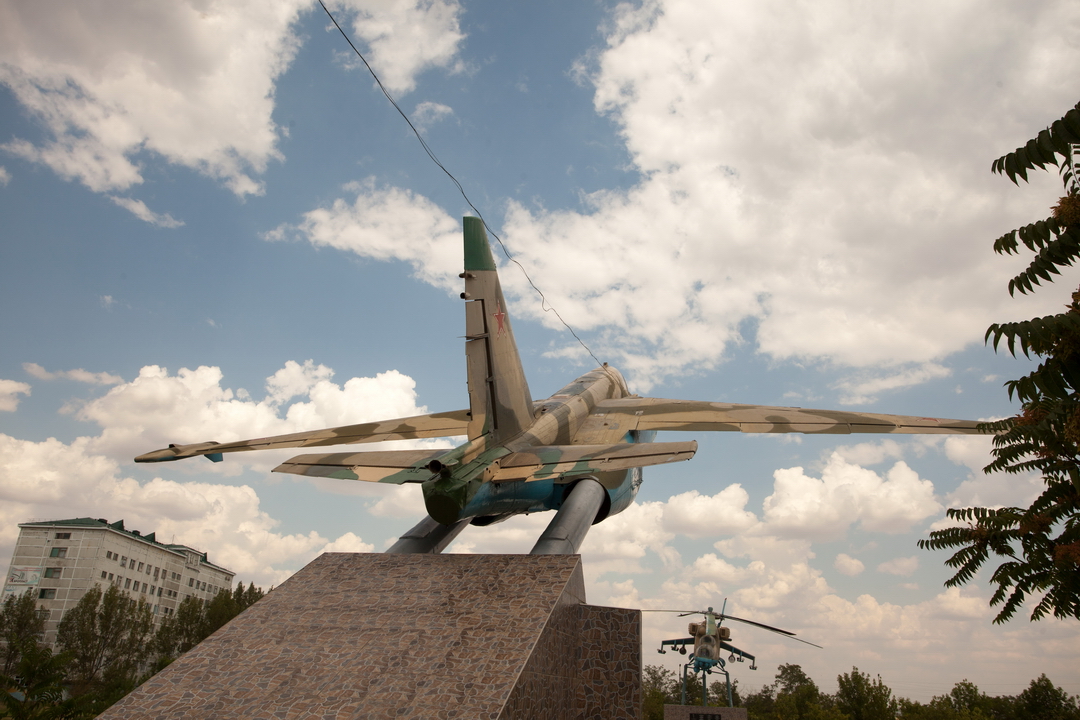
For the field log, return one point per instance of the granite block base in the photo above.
(411, 636)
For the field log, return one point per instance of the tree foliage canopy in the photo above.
(794, 696)
(107, 633)
(1039, 546)
(21, 621)
(107, 639)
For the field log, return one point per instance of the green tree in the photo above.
(34, 690)
(967, 696)
(656, 685)
(249, 597)
(799, 698)
(108, 635)
(964, 702)
(760, 705)
(1045, 701)
(21, 621)
(196, 620)
(718, 693)
(1039, 546)
(861, 698)
(221, 609)
(791, 678)
(191, 626)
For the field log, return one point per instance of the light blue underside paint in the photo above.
(540, 495)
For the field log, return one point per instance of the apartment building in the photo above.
(59, 560)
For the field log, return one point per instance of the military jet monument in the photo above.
(579, 452)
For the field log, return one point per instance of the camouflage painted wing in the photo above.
(636, 413)
(445, 424)
(555, 460)
(402, 466)
(390, 466)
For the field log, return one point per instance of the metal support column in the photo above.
(429, 536)
(564, 534)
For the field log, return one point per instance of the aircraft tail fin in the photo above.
(499, 396)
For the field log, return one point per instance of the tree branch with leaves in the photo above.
(1038, 546)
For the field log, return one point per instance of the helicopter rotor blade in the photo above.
(721, 617)
(770, 628)
(757, 624)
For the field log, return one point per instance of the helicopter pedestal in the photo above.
(411, 636)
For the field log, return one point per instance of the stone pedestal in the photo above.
(411, 636)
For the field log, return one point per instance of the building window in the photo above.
(156, 573)
(159, 591)
(52, 572)
(104, 575)
(58, 552)
(110, 576)
(144, 587)
(63, 536)
(123, 561)
(127, 584)
(191, 582)
(140, 568)
(108, 554)
(46, 594)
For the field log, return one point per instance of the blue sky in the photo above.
(215, 227)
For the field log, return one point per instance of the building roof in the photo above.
(118, 526)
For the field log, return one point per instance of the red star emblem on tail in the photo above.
(499, 316)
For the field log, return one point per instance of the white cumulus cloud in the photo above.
(848, 565)
(188, 81)
(158, 408)
(78, 375)
(838, 210)
(83, 477)
(138, 209)
(10, 390)
(428, 113)
(55, 479)
(699, 515)
(865, 390)
(900, 566)
(388, 224)
(191, 82)
(846, 494)
(406, 37)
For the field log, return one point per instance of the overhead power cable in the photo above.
(544, 304)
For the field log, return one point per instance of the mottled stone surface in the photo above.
(610, 661)
(696, 712)
(410, 636)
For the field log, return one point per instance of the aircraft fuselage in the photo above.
(566, 418)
